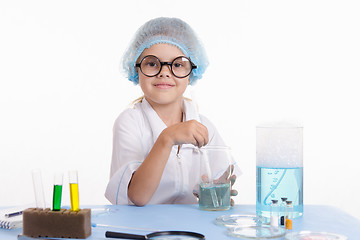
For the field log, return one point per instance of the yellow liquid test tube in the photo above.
(74, 191)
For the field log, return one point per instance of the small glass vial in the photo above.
(274, 213)
(282, 211)
(288, 215)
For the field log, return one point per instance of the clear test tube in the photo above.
(282, 211)
(58, 182)
(274, 213)
(74, 190)
(288, 215)
(38, 189)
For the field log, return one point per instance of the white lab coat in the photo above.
(134, 134)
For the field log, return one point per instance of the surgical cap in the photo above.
(170, 31)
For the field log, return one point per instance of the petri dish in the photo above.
(99, 211)
(238, 220)
(257, 232)
(309, 235)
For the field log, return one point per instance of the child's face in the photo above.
(163, 88)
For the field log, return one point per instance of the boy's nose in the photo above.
(165, 71)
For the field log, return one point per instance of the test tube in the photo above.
(38, 189)
(274, 213)
(213, 194)
(74, 190)
(288, 215)
(58, 182)
(282, 211)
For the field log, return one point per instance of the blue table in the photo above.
(190, 218)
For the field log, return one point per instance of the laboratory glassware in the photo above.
(216, 167)
(74, 190)
(57, 192)
(279, 166)
(38, 189)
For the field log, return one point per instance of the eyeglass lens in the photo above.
(180, 66)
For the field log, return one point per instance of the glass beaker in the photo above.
(279, 166)
(216, 167)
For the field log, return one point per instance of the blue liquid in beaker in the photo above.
(276, 183)
(222, 194)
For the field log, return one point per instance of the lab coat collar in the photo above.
(190, 111)
(155, 122)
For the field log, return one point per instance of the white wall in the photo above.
(61, 88)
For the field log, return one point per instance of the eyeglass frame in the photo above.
(193, 66)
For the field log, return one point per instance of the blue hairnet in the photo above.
(166, 30)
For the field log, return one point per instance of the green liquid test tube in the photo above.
(57, 197)
(58, 181)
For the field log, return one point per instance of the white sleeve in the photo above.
(127, 155)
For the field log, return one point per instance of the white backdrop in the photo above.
(61, 88)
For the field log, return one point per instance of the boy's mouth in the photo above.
(164, 85)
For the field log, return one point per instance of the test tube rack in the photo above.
(38, 222)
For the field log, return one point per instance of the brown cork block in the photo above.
(39, 222)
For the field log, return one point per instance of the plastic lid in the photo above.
(303, 235)
(257, 232)
(237, 220)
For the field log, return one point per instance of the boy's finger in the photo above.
(205, 178)
(234, 193)
(232, 179)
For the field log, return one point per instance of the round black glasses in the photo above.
(180, 67)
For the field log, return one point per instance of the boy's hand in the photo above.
(189, 132)
(228, 175)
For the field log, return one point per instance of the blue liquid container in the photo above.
(215, 170)
(276, 183)
(279, 167)
(222, 196)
